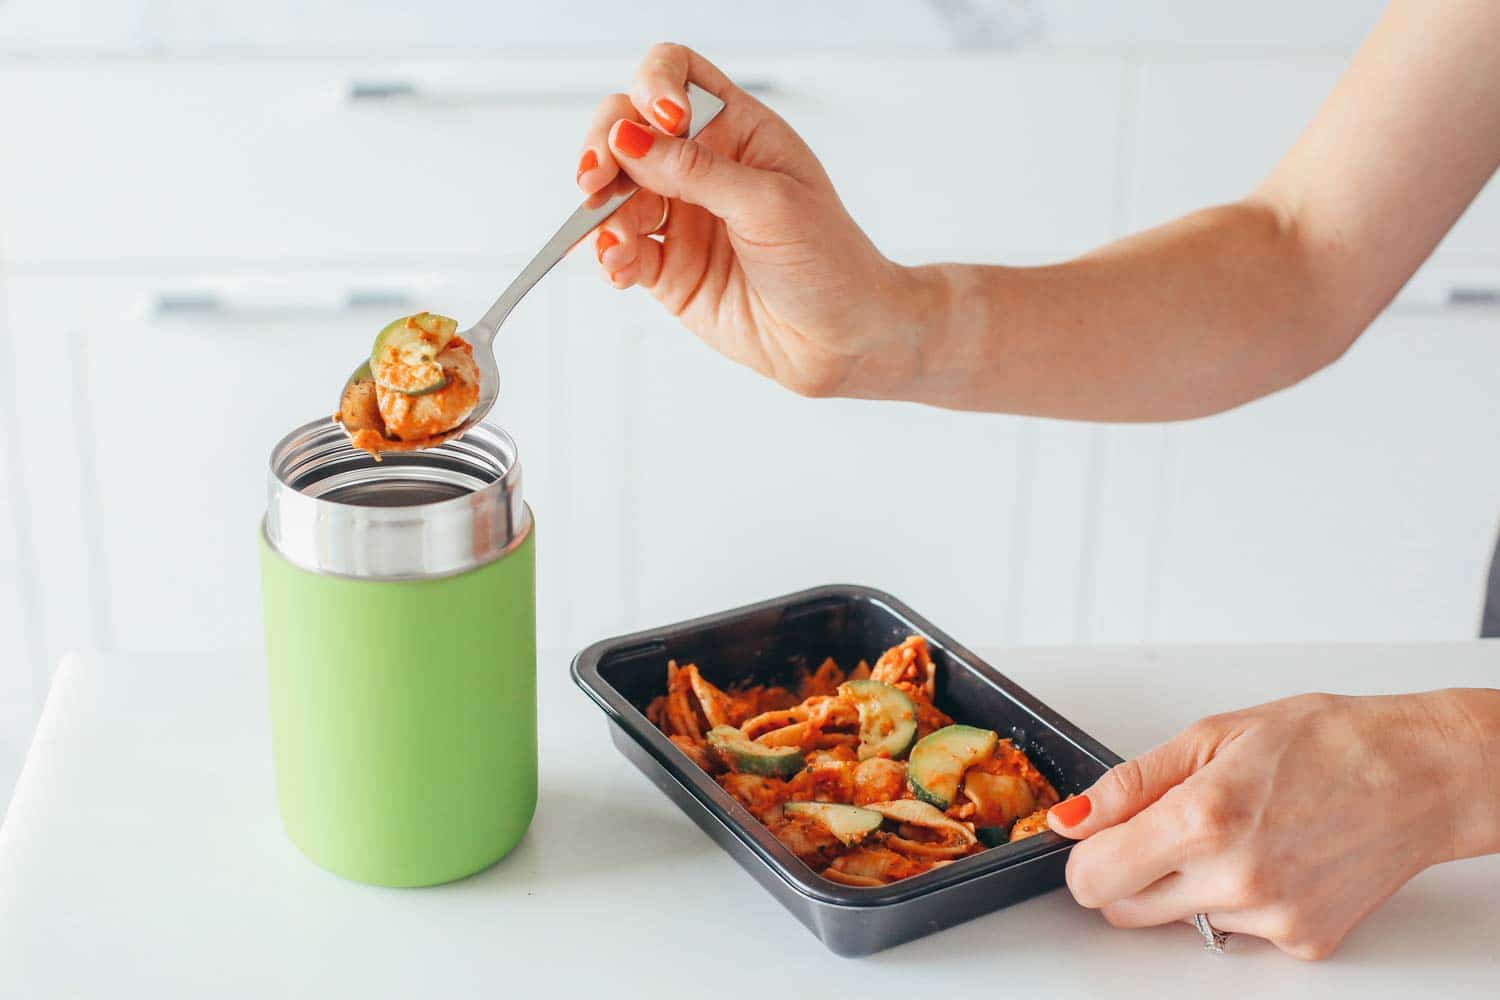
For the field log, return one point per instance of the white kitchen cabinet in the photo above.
(1207, 132)
(596, 536)
(579, 24)
(275, 162)
(18, 637)
(1358, 504)
(20, 654)
(1000, 157)
(1363, 502)
(1334, 27)
(1132, 490)
(1056, 538)
(144, 451)
(458, 25)
(52, 26)
(746, 491)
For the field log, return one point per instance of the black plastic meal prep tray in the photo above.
(768, 643)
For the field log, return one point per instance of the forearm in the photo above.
(1232, 303)
(1193, 317)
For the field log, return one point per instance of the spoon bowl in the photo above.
(703, 108)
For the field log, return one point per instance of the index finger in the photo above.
(1122, 860)
(659, 92)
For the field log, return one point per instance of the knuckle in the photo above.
(1207, 818)
(610, 109)
(691, 161)
(1206, 729)
(1252, 886)
(1321, 701)
(1285, 928)
(1127, 781)
(1081, 881)
(782, 194)
(810, 383)
(662, 51)
(1313, 949)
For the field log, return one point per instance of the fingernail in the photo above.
(588, 161)
(1073, 811)
(606, 240)
(667, 114)
(632, 140)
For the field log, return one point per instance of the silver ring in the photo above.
(666, 213)
(1213, 938)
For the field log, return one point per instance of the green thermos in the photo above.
(400, 617)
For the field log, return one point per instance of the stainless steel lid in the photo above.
(413, 515)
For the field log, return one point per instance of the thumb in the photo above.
(1131, 786)
(689, 171)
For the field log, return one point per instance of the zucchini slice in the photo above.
(939, 759)
(993, 836)
(404, 357)
(749, 757)
(887, 719)
(850, 824)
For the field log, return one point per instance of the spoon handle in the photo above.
(704, 107)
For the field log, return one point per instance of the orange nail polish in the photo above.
(588, 161)
(606, 240)
(1073, 811)
(667, 114)
(632, 140)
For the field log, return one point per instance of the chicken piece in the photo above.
(762, 796)
(993, 799)
(832, 712)
(823, 681)
(811, 842)
(910, 663)
(359, 410)
(1029, 826)
(824, 781)
(879, 779)
(929, 718)
(697, 753)
(380, 418)
(656, 712)
(844, 752)
(415, 418)
(1008, 759)
(868, 866)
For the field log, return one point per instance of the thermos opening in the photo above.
(334, 509)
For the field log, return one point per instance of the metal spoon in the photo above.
(703, 108)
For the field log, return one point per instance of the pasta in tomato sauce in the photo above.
(858, 773)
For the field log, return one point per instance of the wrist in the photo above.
(933, 337)
(1464, 737)
(902, 323)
